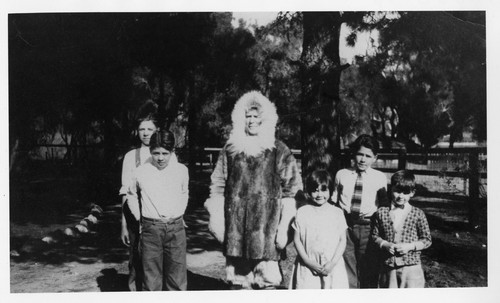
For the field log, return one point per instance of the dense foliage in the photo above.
(82, 79)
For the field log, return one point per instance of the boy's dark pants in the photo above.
(360, 255)
(163, 246)
(135, 275)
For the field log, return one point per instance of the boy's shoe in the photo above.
(263, 287)
(235, 287)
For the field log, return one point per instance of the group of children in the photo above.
(348, 235)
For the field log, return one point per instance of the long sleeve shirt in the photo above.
(413, 229)
(163, 193)
(374, 192)
(130, 165)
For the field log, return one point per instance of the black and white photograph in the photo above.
(234, 149)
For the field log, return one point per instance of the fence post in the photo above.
(474, 175)
(474, 183)
(402, 159)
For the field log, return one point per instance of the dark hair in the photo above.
(317, 178)
(149, 117)
(162, 138)
(403, 181)
(366, 141)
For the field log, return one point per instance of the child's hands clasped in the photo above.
(403, 248)
(327, 268)
(321, 270)
(398, 249)
(315, 268)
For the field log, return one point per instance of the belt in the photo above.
(360, 220)
(365, 220)
(163, 220)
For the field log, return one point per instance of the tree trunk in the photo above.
(455, 134)
(181, 93)
(162, 113)
(320, 77)
(192, 129)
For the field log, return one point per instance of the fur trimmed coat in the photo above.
(255, 180)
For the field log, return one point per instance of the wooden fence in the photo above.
(467, 163)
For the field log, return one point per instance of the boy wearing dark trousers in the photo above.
(163, 185)
(359, 191)
(401, 231)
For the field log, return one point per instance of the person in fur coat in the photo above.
(251, 203)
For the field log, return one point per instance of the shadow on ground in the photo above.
(458, 251)
(47, 206)
(111, 280)
(458, 254)
(101, 243)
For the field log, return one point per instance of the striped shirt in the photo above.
(374, 190)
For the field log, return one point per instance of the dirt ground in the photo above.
(96, 261)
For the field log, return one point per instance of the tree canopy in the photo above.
(86, 77)
(434, 71)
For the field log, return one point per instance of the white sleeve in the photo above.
(128, 168)
(185, 187)
(133, 199)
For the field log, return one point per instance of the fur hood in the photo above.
(239, 141)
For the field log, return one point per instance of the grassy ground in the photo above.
(97, 261)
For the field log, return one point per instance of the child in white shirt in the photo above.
(163, 185)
